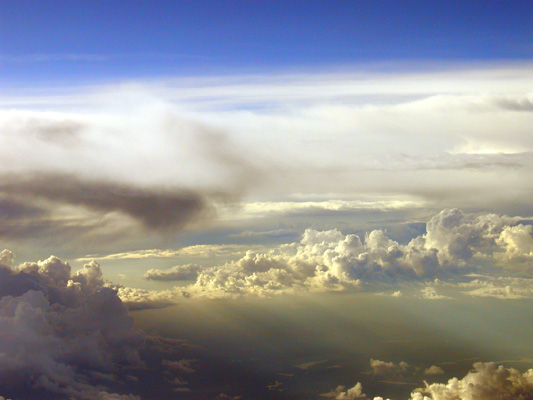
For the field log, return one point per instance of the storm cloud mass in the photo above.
(62, 332)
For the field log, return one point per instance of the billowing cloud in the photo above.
(353, 393)
(485, 381)
(177, 273)
(63, 334)
(454, 245)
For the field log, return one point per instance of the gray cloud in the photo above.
(63, 332)
(154, 208)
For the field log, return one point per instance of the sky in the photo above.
(184, 184)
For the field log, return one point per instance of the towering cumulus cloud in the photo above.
(63, 334)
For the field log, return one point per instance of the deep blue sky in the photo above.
(59, 41)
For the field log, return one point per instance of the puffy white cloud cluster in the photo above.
(354, 393)
(487, 381)
(454, 244)
(63, 334)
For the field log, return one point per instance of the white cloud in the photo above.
(485, 381)
(454, 245)
(506, 288)
(398, 139)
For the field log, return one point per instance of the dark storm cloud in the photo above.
(64, 334)
(158, 209)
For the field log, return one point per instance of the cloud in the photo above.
(61, 331)
(69, 176)
(385, 368)
(262, 138)
(200, 250)
(485, 381)
(430, 293)
(353, 393)
(177, 273)
(184, 365)
(141, 299)
(454, 245)
(433, 370)
(156, 209)
(502, 287)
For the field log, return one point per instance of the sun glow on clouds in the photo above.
(79, 171)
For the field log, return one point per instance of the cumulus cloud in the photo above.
(65, 334)
(485, 381)
(454, 245)
(385, 368)
(353, 393)
(177, 273)
(433, 370)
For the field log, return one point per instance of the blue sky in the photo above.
(58, 41)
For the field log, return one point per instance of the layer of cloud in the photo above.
(156, 209)
(454, 245)
(177, 273)
(456, 136)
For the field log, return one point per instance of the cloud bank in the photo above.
(454, 246)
